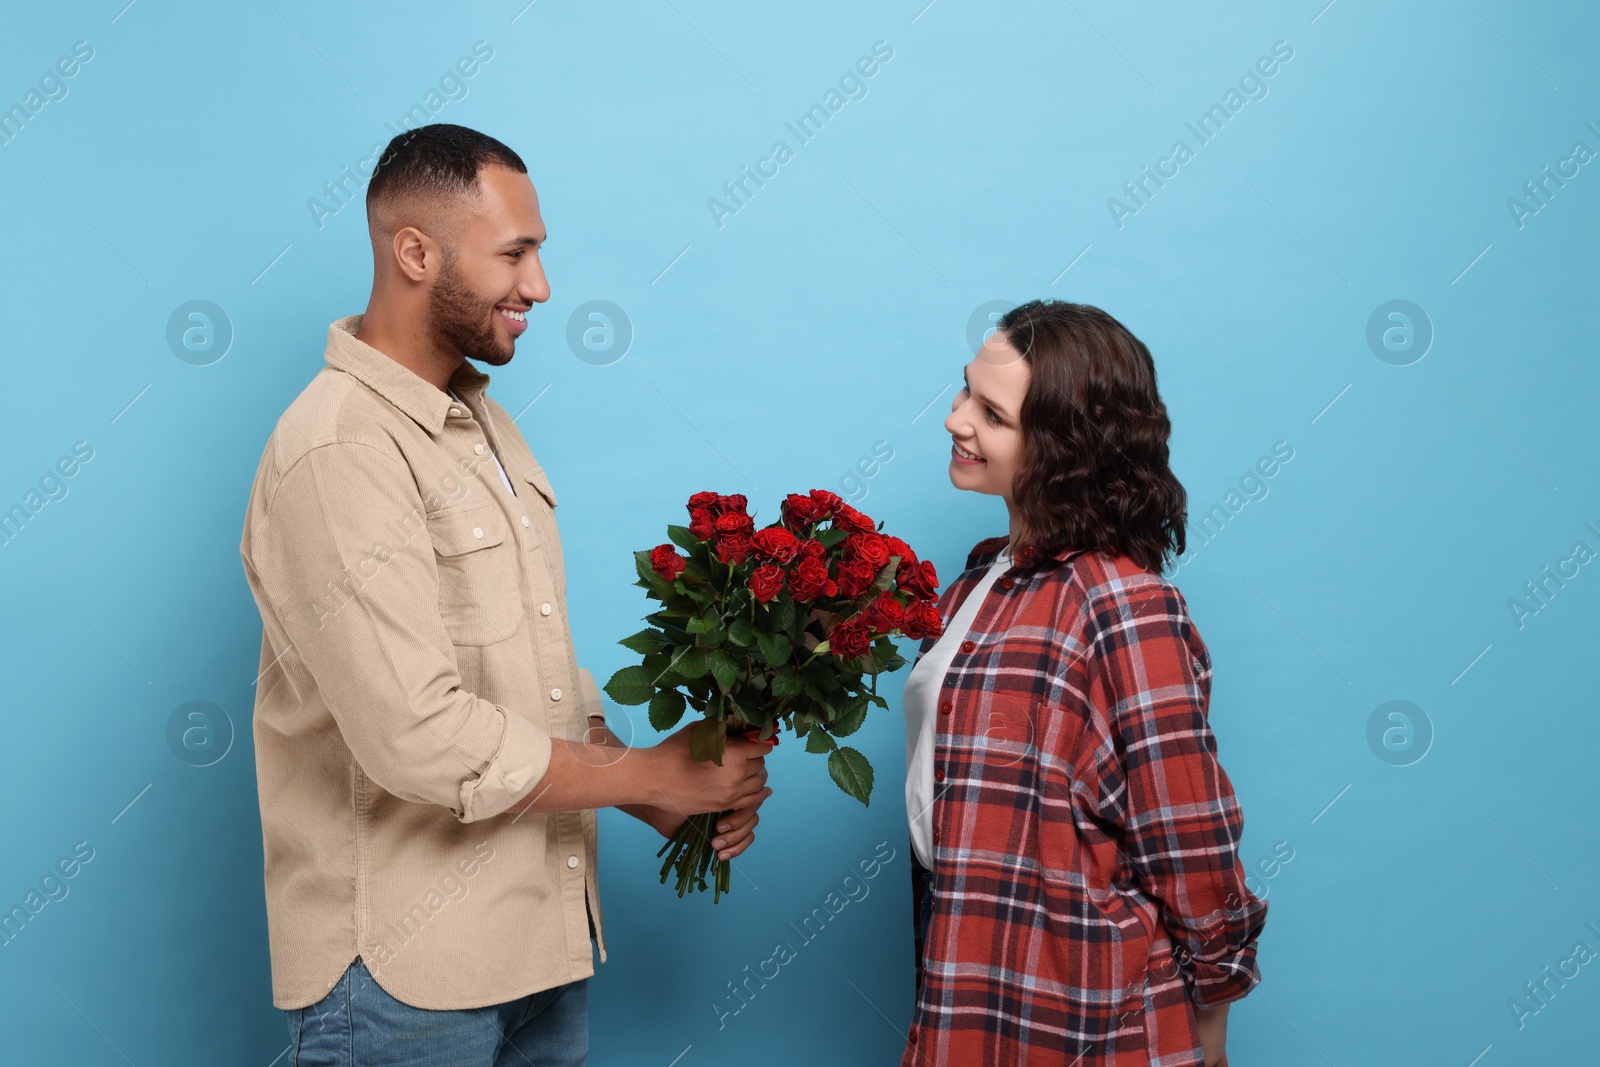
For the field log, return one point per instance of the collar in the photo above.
(1027, 556)
(400, 386)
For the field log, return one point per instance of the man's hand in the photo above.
(735, 833)
(689, 786)
(1213, 1023)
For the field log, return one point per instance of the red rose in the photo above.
(918, 579)
(869, 548)
(848, 518)
(702, 500)
(702, 523)
(733, 547)
(799, 511)
(826, 501)
(734, 503)
(775, 543)
(849, 639)
(766, 582)
(811, 548)
(665, 561)
(855, 577)
(810, 580)
(886, 614)
(922, 620)
(899, 548)
(734, 522)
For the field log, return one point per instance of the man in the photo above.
(429, 752)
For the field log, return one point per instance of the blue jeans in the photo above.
(360, 1025)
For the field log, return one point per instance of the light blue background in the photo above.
(830, 313)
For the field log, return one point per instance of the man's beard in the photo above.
(458, 320)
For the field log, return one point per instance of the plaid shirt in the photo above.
(1087, 886)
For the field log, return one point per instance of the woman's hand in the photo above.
(1213, 1023)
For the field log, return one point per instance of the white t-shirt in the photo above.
(501, 469)
(920, 703)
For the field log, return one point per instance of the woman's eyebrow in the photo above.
(985, 399)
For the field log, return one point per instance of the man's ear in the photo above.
(415, 253)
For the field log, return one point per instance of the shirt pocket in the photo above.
(543, 541)
(480, 588)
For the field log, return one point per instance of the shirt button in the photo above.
(936, 835)
(525, 522)
(555, 694)
(455, 411)
(478, 449)
(477, 531)
(944, 707)
(938, 774)
(572, 861)
(967, 646)
(1006, 583)
(544, 609)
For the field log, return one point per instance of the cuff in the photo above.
(1219, 982)
(518, 765)
(589, 695)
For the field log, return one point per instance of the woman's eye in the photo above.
(992, 416)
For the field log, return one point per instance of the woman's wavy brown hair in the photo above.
(1093, 473)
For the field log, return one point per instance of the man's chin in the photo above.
(494, 359)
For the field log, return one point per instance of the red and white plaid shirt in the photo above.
(1087, 887)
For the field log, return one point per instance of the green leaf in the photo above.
(708, 739)
(630, 685)
(786, 683)
(885, 577)
(645, 642)
(692, 663)
(702, 623)
(653, 581)
(851, 772)
(824, 675)
(783, 613)
(685, 540)
(818, 741)
(723, 667)
(774, 648)
(822, 646)
(850, 717)
(829, 538)
(666, 708)
(740, 632)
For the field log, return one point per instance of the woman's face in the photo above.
(985, 419)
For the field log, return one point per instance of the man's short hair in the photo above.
(437, 161)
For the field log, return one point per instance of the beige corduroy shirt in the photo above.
(416, 662)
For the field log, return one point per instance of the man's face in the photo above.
(491, 276)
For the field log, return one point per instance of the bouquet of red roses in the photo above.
(789, 625)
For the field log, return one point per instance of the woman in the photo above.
(1079, 898)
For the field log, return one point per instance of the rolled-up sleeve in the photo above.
(343, 555)
(1165, 790)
